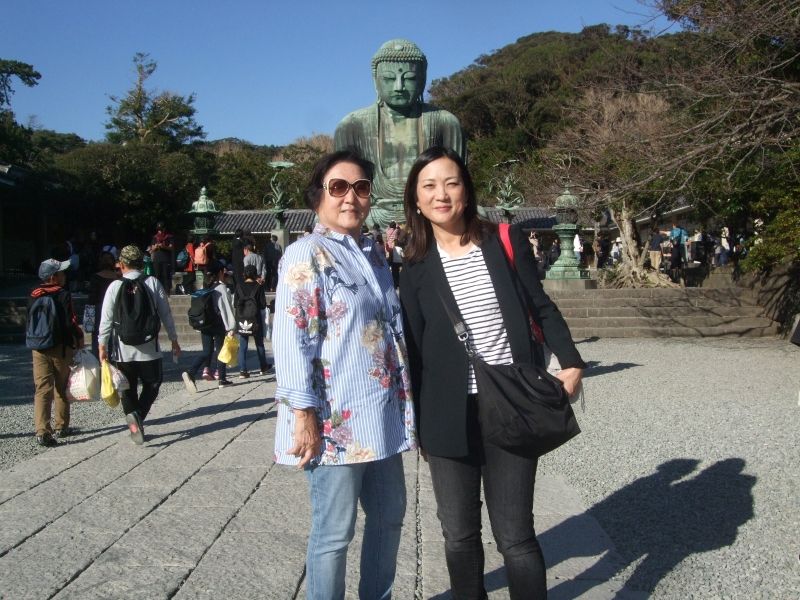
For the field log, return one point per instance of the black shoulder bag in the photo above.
(521, 407)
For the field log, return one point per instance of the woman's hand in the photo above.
(307, 440)
(571, 378)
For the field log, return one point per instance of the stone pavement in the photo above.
(201, 511)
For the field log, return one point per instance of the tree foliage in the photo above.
(150, 116)
(22, 71)
(637, 122)
(243, 175)
(130, 187)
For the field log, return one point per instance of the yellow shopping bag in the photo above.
(229, 351)
(108, 392)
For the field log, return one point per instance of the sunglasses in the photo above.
(339, 187)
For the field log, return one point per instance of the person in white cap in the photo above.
(52, 333)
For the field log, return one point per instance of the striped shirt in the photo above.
(338, 344)
(474, 293)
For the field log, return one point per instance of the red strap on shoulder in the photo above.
(505, 239)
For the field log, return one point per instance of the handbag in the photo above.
(521, 407)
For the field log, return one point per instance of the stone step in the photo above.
(659, 311)
(658, 293)
(579, 333)
(691, 321)
(677, 302)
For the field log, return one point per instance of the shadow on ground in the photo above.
(658, 521)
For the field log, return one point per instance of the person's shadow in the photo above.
(662, 520)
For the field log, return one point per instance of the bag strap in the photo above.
(505, 240)
(508, 250)
(458, 327)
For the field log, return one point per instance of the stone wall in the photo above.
(778, 291)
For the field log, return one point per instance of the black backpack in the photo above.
(136, 320)
(44, 328)
(203, 315)
(248, 315)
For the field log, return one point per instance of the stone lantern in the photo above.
(567, 270)
(205, 214)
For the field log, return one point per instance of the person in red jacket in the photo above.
(51, 364)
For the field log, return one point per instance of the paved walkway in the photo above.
(201, 511)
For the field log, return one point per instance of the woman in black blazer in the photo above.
(455, 258)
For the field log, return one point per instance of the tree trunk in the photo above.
(631, 271)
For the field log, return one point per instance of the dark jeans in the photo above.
(189, 277)
(212, 344)
(258, 340)
(150, 374)
(508, 481)
(163, 272)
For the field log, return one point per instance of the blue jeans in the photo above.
(335, 492)
(262, 354)
(212, 344)
(508, 481)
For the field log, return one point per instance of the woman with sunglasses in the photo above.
(455, 262)
(344, 405)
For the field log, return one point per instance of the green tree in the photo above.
(243, 175)
(130, 187)
(22, 71)
(149, 116)
(15, 140)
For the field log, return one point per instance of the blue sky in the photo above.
(267, 72)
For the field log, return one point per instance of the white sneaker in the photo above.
(188, 381)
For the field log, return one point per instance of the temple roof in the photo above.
(528, 217)
(260, 222)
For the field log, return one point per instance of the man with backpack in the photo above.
(52, 333)
(134, 308)
(211, 313)
(251, 306)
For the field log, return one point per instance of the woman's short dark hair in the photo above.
(421, 232)
(250, 272)
(313, 193)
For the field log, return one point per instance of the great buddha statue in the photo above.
(398, 127)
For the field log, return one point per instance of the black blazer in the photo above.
(437, 360)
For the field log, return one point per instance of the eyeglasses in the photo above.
(339, 187)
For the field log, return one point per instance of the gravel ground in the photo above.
(688, 458)
(90, 419)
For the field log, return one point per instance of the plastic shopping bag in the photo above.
(83, 384)
(229, 351)
(267, 325)
(118, 379)
(107, 390)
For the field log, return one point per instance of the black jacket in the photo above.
(438, 361)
